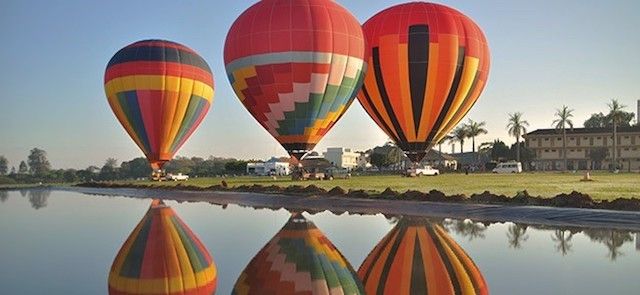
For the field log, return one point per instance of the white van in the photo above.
(508, 167)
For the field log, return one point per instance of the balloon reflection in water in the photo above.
(162, 256)
(419, 257)
(299, 259)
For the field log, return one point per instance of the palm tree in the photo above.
(615, 113)
(460, 134)
(516, 127)
(441, 142)
(474, 129)
(517, 235)
(564, 242)
(563, 118)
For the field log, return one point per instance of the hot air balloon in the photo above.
(419, 257)
(299, 259)
(296, 66)
(428, 64)
(160, 91)
(162, 256)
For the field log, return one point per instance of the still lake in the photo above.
(60, 242)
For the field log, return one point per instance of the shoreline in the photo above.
(314, 203)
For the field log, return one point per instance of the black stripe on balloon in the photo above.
(418, 65)
(158, 53)
(418, 281)
(446, 260)
(450, 97)
(375, 256)
(377, 114)
(377, 70)
(387, 264)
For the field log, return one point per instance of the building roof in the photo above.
(434, 155)
(584, 131)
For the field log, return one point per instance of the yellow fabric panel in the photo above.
(240, 77)
(468, 74)
(405, 93)
(156, 82)
(446, 67)
(158, 286)
(427, 121)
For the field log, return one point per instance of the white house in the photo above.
(342, 157)
(273, 166)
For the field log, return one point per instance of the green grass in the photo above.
(606, 186)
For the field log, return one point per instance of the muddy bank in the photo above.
(523, 198)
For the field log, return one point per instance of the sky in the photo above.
(579, 53)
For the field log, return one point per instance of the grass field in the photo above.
(605, 185)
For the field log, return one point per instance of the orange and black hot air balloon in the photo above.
(419, 257)
(427, 65)
(162, 256)
(160, 91)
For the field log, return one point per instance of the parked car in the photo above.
(508, 167)
(423, 171)
(177, 177)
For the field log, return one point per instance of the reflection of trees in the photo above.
(4, 195)
(563, 241)
(517, 235)
(38, 198)
(613, 240)
(466, 228)
(23, 192)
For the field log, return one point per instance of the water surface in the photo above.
(58, 242)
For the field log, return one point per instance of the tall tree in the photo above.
(517, 235)
(108, 170)
(475, 129)
(563, 241)
(4, 165)
(616, 115)
(516, 126)
(460, 134)
(601, 120)
(441, 142)
(38, 163)
(22, 168)
(562, 120)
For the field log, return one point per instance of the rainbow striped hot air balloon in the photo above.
(418, 257)
(299, 259)
(160, 91)
(296, 66)
(162, 257)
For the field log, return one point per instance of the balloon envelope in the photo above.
(299, 259)
(160, 91)
(428, 64)
(162, 256)
(419, 257)
(296, 66)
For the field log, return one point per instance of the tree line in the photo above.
(37, 169)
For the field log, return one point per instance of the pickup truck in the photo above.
(426, 170)
(177, 177)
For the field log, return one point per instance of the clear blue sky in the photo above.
(53, 55)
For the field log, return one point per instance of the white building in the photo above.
(274, 166)
(342, 157)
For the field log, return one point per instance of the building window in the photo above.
(572, 151)
(546, 151)
(559, 138)
(599, 137)
(626, 149)
(571, 138)
(546, 139)
(579, 150)
(585, 138)
(553, 151)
